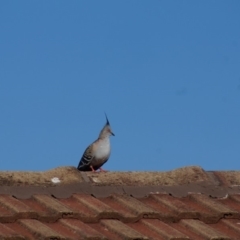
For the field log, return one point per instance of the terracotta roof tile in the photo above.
(19, 209)
(82, 229)
(67, 232)
(180, 222)
(203, 229)
(236, 198)
(158, 229)
(122, 230)
(81, 211)
(217, 208)
(231, 227)
(6, 215)
(40, 230)
(98, 208)
(178, 207)
(53, 205)
(8, 233)
(134, 206)
(203, 209)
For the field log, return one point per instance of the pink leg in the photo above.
(92, 169)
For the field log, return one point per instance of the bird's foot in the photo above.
(102, 170)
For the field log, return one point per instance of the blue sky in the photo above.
(167, 73)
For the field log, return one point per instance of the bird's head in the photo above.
(106, 131)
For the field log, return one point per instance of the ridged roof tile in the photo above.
(149, 212)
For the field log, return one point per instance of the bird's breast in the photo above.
(103, 150)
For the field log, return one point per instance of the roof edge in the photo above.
(67, 190)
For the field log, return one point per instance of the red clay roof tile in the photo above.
(161, 229)
(82, 230)
(8, 233)
(178, 207)
(135, 206)
(180, 222)
(20, 209)
(203, 229)
(217, 208)
(199, 210)
(122, 230)
(39, 230)
(230, 227)
(53, 205)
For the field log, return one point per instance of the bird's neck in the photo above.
(105, 138)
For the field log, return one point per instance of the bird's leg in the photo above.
(92, 168)
(102, 170)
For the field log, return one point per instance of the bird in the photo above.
(97, 153)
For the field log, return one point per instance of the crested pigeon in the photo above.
(97, 153)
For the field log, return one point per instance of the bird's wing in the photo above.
(87, 157)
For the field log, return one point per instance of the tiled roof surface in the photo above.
(206, 209)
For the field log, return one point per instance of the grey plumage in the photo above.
(97, 153)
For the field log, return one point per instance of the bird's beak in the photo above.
(112, 134)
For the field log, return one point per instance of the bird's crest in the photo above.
(107, 123)
(106, 131)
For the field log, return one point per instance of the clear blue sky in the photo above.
(167, 73)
